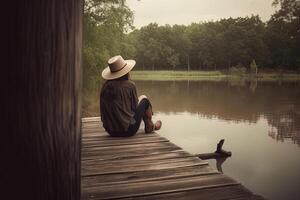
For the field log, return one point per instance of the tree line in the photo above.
(214, 45)
(199, 46)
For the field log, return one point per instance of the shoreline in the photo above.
(212, 76)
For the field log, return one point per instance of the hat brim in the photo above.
(108, 75)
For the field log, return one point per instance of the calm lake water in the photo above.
(260, 122)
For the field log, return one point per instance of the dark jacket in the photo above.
(118, 102)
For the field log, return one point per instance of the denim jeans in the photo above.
(138, 116)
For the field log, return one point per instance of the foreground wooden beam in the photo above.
(40, 99)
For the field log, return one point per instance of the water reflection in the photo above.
(278, 102)
(219, 162)
(285, 126)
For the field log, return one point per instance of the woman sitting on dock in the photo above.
(121, 110)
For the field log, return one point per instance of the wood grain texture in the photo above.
(147, 175)
(87, 143)
(216, 193)
(41, 99)
(157, 186)
(122, 167)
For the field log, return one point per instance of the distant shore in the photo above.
(213, 76)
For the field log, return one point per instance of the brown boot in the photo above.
(149, 113)
(148, 126)
(148, 120)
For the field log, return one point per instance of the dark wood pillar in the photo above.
(40, 99)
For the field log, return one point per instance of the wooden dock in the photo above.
(148, 166)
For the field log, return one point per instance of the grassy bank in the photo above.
(210, 75)
(178, 75)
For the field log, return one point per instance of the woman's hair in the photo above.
(125, 77)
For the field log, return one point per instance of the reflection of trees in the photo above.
(285, 125)
(278, 103)
(283, 113)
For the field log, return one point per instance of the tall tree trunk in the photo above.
(40, 100)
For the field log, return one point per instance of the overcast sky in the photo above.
(188, 11)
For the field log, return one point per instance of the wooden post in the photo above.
(219, 153)
(40, 100)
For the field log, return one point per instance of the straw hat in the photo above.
(117, 67)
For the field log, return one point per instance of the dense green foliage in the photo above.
(105, 22)
(231, 44)
(283, 35)
(211, 45)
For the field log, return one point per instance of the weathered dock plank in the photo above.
(217, 193)
(138, 176)
(104, 143)
(136, 189)
(147, 166)
(123, 166)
